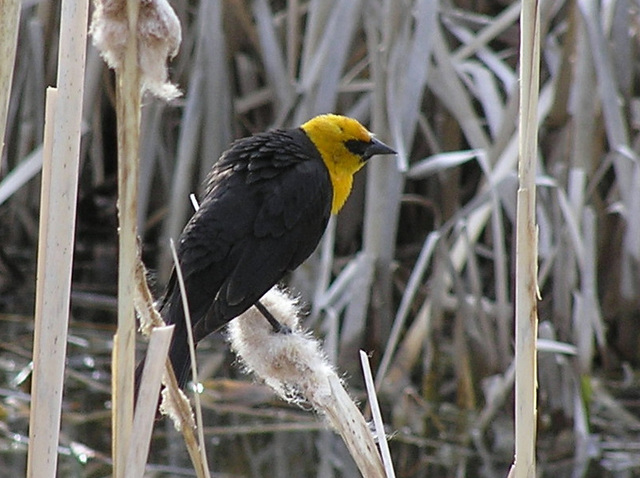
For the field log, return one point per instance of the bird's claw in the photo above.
(277, 327)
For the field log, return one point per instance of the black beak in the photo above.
(376, 147)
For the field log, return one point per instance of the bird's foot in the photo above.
(278, 328)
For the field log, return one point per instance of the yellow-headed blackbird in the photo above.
(267, 203)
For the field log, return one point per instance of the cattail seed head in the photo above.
(159, 36)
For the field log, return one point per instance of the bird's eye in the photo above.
(357, 146)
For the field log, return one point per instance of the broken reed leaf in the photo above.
(159, 36)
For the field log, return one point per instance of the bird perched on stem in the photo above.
(267, 203)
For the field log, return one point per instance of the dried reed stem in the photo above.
(385, 453)
(148, 400)
(174, 401)
(9, 17)
(526, 315)
(128, 111)
(55, 244)
(199, 461)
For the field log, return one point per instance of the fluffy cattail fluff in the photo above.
(159, 37)
(292, 364)
(295, 366)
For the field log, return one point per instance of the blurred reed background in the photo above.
(417, 270)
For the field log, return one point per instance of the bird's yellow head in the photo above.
(344, 145)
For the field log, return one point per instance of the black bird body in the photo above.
(267, 203)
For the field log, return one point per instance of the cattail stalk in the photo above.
(135, 38)
(297, 369)
(128, 112)
(55, 241)
(526, 314)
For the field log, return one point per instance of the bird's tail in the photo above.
(172, 311)
(180, 356)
